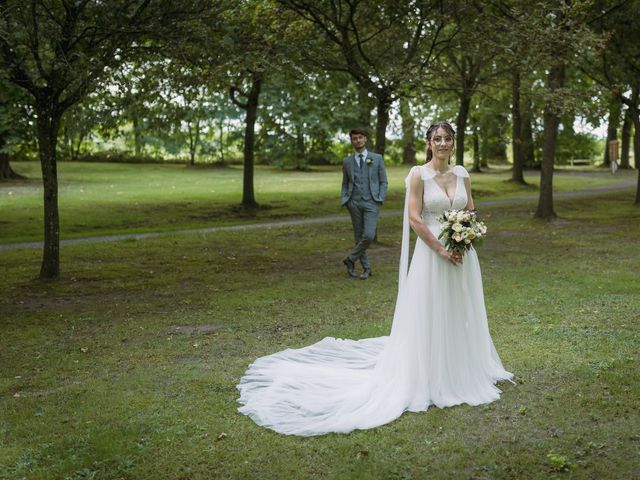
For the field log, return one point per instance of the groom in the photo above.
(364, 188)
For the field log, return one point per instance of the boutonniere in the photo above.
(369, 160)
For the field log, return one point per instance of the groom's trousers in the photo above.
(364, 218)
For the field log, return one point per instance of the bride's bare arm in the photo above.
(467, 187)
(418, 226)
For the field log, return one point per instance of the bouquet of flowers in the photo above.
(460, 229)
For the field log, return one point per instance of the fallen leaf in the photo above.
(362, 453)
(84, 349)
(222, 436)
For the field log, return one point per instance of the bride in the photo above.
(439, 351)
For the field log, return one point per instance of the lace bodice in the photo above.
(435, 200)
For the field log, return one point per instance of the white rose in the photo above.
(457, 227)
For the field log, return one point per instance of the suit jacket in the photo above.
(377, 177)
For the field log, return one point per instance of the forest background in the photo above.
(281, 82)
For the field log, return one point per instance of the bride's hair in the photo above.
(432, 129)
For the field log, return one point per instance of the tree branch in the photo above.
(35, 48)
(232, 93)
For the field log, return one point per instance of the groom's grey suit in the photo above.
(364, 188)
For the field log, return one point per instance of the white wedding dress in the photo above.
(439, 351)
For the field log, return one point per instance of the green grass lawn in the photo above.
(98, 381)
(102, 199)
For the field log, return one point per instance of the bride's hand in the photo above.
(454, 258)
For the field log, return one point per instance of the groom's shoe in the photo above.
(366, 274)
(351, 267)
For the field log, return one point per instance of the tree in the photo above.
(467, 64)
(385, 45)
(301, 114)
(615, 109)
(252, 45)
(528, 142)
(137, 89)
(516, 132)
(489, 126)
(14, 124)
(511, 48)
(468, 67)
(183, 105)
(77, 125)
(58, 51)
(617, 66)
(408, 133)
(625, 140)
(251, 93)
(565, 27)
(551, 120)
(524, 46)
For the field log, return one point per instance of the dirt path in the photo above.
(626, 184)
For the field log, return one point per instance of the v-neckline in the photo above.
(444, 192)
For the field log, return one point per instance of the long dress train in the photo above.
(439, 351)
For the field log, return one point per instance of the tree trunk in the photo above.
(248, 195)
(72, 143)
(484, 158)
(75, 154)
(528, 147)
(517, 175)
(476, 150)
(612, 128)
(192, 150)
(555, 81)
(137, 137)
(483, 148)
(408, 133)
(384, 105)
(194, 140)
(636, 144)
(461, 125)
(365, 106)
(626, 140)
(495, 148)
(6, 172)
(222, 160)
(67, 143)
(48, 126)
(300, 150)
(636, 148)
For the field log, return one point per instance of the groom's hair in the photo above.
(358, 131)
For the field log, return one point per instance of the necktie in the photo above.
(360, 160)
